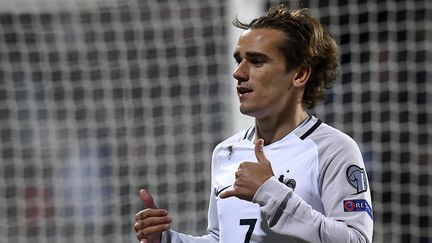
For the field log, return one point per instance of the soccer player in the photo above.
(291, 177)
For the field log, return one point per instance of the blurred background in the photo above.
(99, 98)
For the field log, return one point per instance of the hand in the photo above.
(250, 175)
(150, 222)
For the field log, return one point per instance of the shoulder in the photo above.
(336, 150)
(329, 138)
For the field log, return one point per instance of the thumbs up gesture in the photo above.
(250, 175)
(150, 222)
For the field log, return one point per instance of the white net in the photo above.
(101, 98)
(382, 99)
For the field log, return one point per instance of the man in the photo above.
(290, 178)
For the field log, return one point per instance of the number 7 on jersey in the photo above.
(251, 223)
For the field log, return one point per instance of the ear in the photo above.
(302, 76)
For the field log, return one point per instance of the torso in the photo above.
(294, 162)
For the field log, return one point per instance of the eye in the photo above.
(256, 61)
(238, 60)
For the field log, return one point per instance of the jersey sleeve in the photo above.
(176, 237)
(348, 213)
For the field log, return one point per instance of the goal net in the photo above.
(382, 99)
(99, 98)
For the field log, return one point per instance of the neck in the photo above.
(273, 129)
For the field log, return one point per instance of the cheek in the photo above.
(275, 88)
(277, 95)
(271, 83)
(269, 95)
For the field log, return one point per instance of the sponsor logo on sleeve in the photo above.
(357, 205)
(357, 178)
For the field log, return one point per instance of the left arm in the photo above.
(288, 214)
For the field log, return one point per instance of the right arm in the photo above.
(152, 224)
(213, 229)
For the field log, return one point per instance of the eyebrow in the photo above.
(252, 55)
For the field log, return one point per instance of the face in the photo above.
(265, 86)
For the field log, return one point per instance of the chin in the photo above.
(246, 111)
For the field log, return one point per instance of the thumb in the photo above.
(227, 193)
(147, 199)
(259, 151)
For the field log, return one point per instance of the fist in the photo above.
(150, 222)
(250, 175)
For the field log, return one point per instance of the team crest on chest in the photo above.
(357, 178)
(289, 182)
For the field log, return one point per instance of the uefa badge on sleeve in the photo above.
(357, 205)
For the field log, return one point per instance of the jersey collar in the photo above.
(303, 130)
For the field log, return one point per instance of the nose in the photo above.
(241, 73)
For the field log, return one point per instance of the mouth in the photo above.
(243, 91)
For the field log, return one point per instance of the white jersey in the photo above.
(319, 192)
